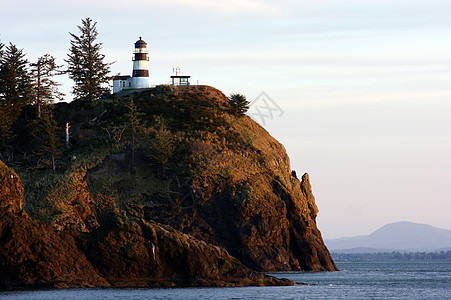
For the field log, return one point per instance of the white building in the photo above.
(121, 83)
(140, 76)
(178, 79)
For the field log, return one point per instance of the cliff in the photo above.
(123, 252)
(32, 254)
(165, 187)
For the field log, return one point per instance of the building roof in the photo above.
(180, 76)
(140, 43)
(121, 77)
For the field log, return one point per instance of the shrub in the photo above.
(238, 104)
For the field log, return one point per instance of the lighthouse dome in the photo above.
(140, 43)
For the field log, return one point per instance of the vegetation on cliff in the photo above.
(28, 90)
(175, 163)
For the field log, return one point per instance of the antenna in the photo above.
(176, 70)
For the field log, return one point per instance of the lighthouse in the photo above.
(140, 75)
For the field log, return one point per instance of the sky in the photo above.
(358, 92)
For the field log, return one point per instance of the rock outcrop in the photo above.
(240, 192)
(135, 252)
(168, 189)
(11, 191)
(32, 254)
(123, 252)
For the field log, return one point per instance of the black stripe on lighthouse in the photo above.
(140, 56)
(140, 73)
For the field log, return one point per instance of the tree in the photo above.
(161, 146)
(134, 128)
(4, 124)
(15, 88)
(238, 104)
(45, 88)
(86, 64)
(46, 138)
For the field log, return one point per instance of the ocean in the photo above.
(356, 280)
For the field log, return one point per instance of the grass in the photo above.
(47, 195)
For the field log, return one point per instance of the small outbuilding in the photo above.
(121, 82)
(179, 80)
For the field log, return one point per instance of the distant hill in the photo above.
(399, 236)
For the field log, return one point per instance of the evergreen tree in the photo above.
(238, 104)
(86, 64)
(134, 129)
(161, 146)
(45, 133)
(4, 124)
(45, 87)
(1, 50)
(15, 89)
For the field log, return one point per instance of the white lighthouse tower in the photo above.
(140, 75)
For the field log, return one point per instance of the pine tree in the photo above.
(45, 133)
(15, 89)
(161, 146)
(86, 64)
(134, 129)
(4, 112)
(238, 104)
(45, 87)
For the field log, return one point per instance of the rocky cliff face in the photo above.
(125, 251)
(182, 192)
(32, 254)
(11, 191)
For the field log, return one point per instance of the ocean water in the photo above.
(356, 280)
